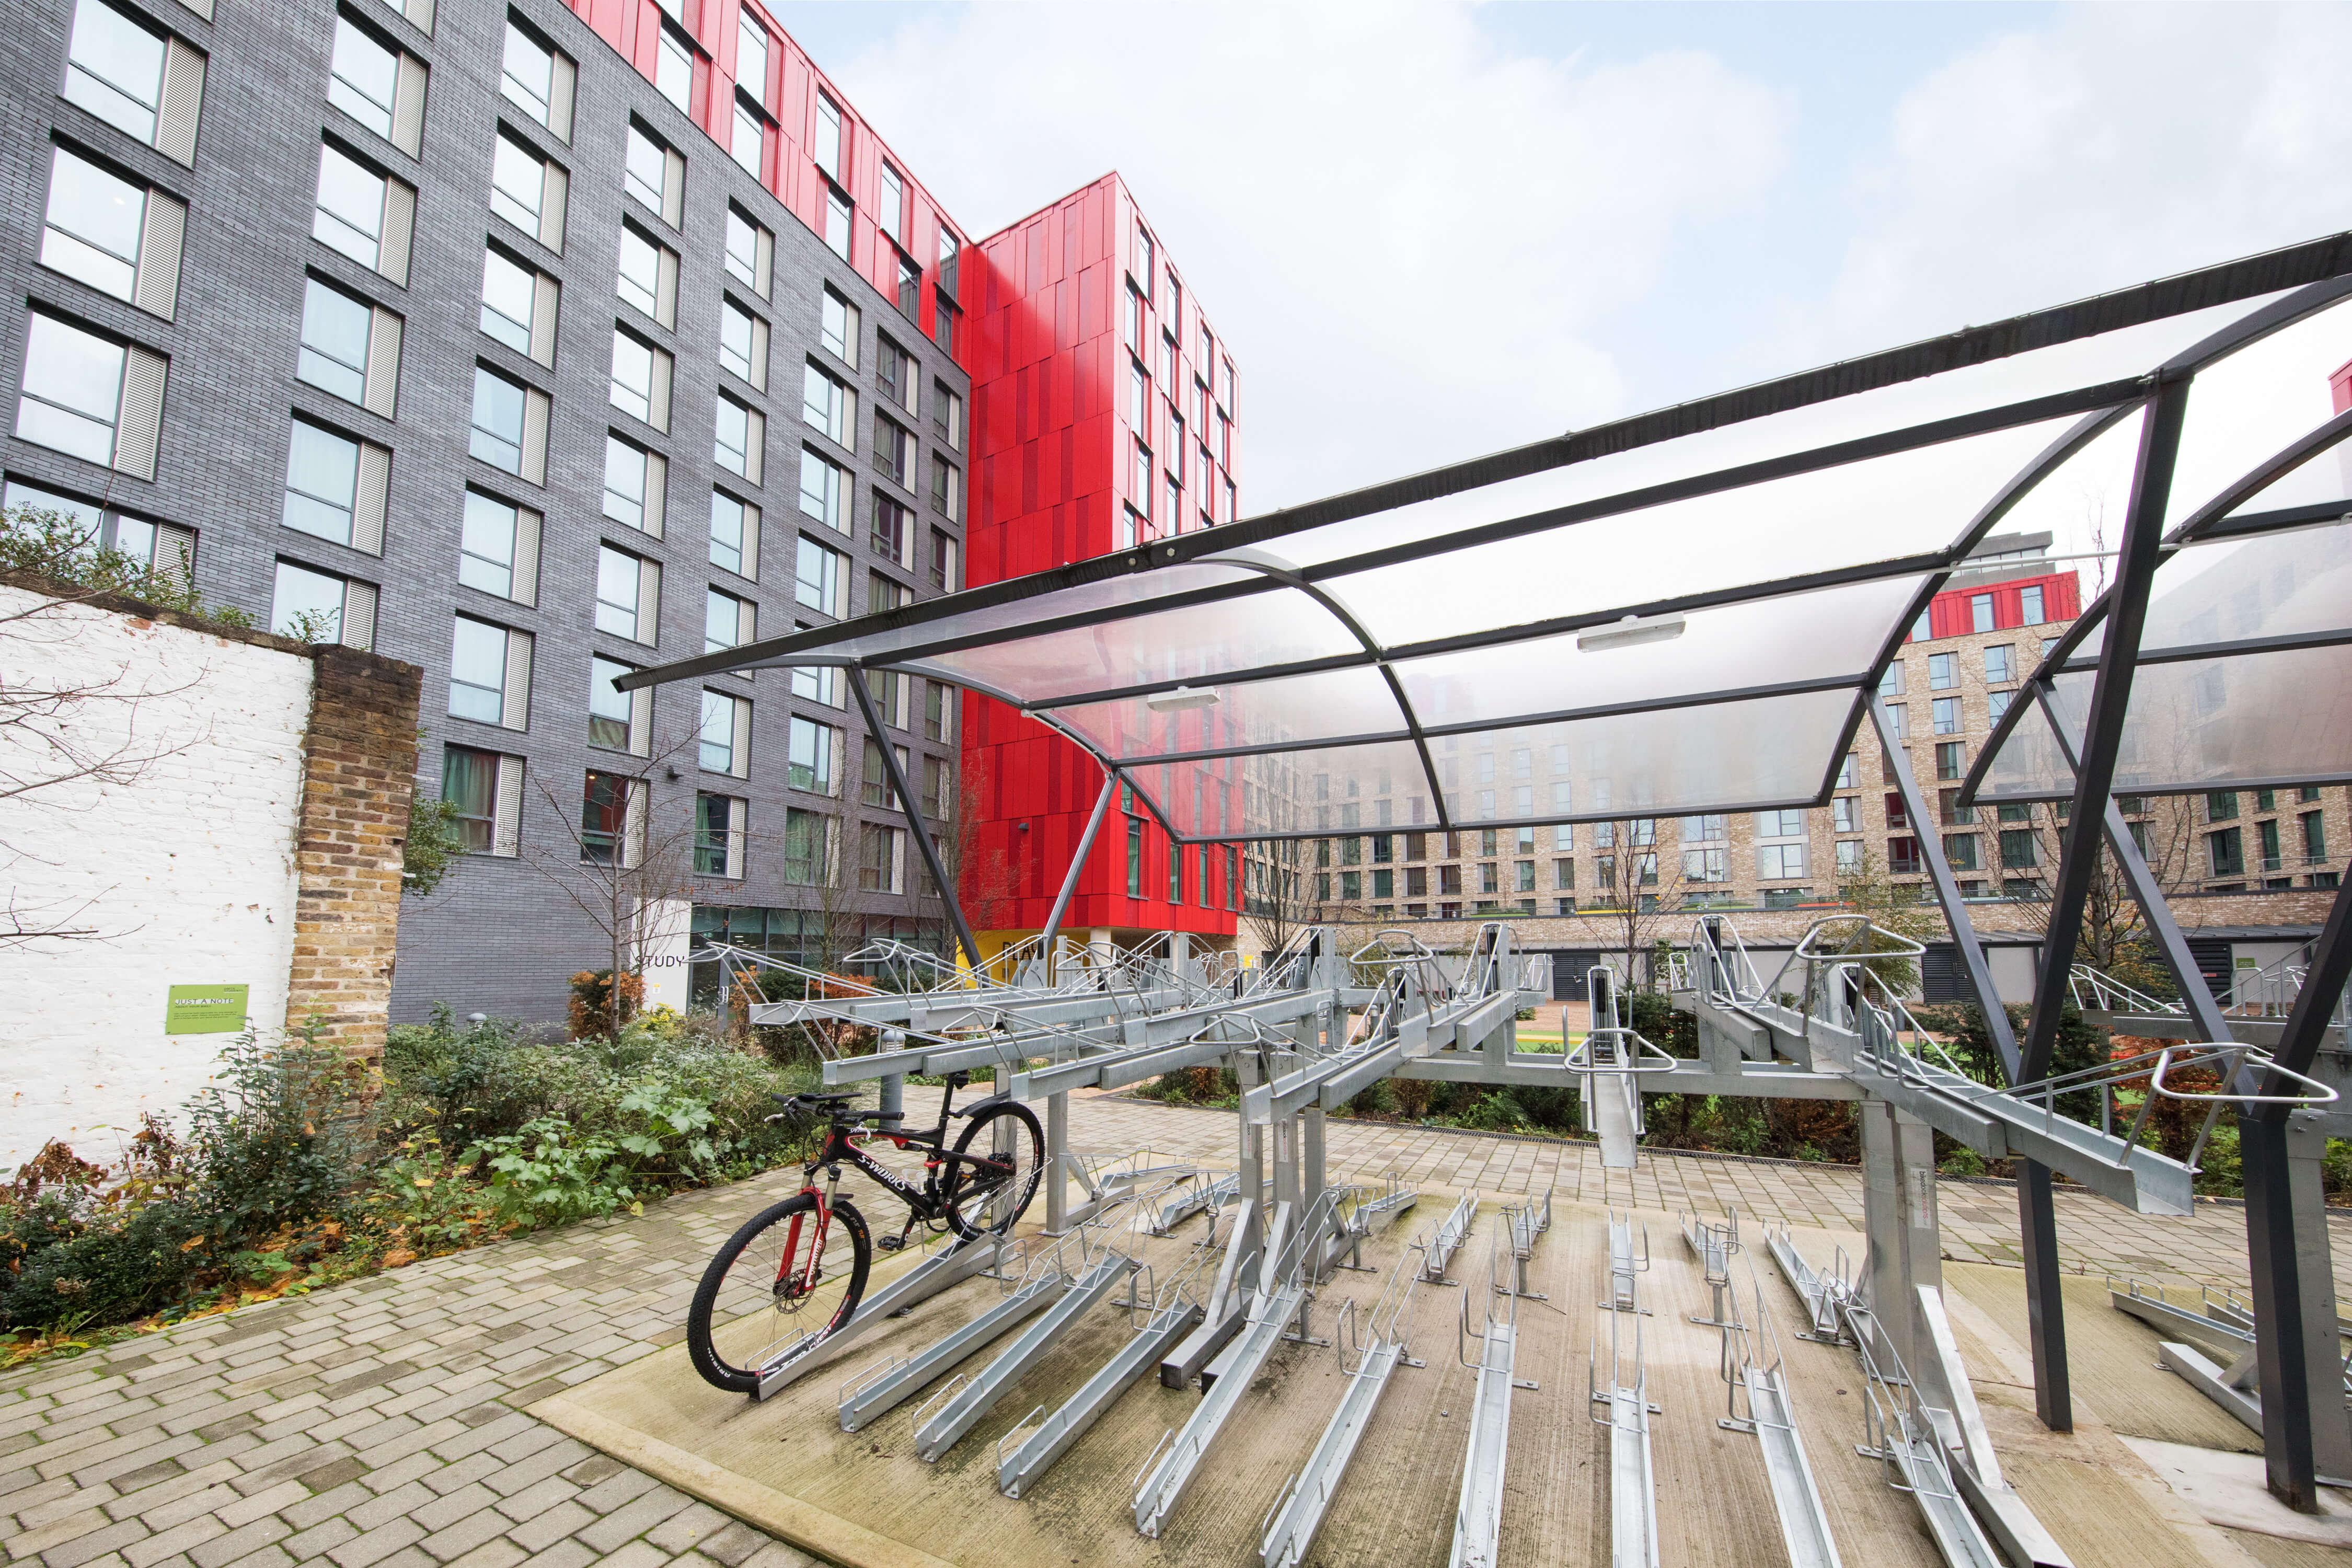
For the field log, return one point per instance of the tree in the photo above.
(1642, 887)
(2114, 938)
(1890, 907)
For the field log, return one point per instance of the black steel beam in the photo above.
(2323, 983)
(913, 813)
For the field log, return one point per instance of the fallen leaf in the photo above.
(399, 1257)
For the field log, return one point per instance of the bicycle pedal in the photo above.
(890, 1243)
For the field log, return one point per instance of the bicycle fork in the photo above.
(791, 1283)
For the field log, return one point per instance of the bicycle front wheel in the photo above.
(988, 1199)
(778, 1290)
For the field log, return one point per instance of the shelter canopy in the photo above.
(1682, 612)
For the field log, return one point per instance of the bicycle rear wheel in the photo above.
(762, 1304)
(988, 1199)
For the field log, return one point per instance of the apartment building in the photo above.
(528, 344)
(1104, 400)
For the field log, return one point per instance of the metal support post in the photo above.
(915, 823)
(2045, 1311)
(1899, 1156)
(1310, 1144)
(1251, 1157)
(894, 1096)
(2305, 1428)
(1078, 864)
(1285, 1138)
(1057, 1163)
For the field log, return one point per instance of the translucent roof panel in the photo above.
(1904, 504)
(1768, 751)
(1825, 634)
(2325, 477)
(1131, 591)
(2254, 719)
(1333, 789)
(2087, 362)
(2245, 408)
(1195, 643)
(2275, 584)
(1293, 711)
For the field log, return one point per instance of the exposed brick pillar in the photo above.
(358, 772)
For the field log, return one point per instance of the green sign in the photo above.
(205, 1010)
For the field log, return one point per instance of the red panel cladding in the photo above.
(1052, 452)
(2340, 385)
(1951, 613)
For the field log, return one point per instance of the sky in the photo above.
(1430, 232)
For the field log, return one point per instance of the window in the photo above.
(628, 595)
(1897, 720)
(2315, 837)
(1777, 861)
(1896, 817)
(1951, 759)
(719, 834)
(739, 444)
(2225, 849)
(487, 790)
(1943, 671)
(377, 85)
(1773, 825)
(1996, 704)
(2221, 805)
(827, 150)
(640, 381)
(113, 234)
(750, 59)
(893, 452)
(1132, 528)
(509, 429)
(824, 491)
(751, 252)
(674, 71)
(538, 79)
(143, 83)
(91, 396)
(317, 606)
(875, 777)
(612, 826)
(939, 712)
(893, 216)
(1849, 856)
(654, 175)
(2030, 600)
(1953, 812)
(616, 718)
(808, 764)
(1132, 322)
(335, 486)
(734, 535)
(1947, 713)
(1960, 850)
(894, 371)
(808, 840)
(893, 530)
(828, 405)
(519, 305)
(1134, 858)
(938, 795)
(947, 489)
(167, 546)
(527, 190)
(943, 323)
(742, 344)
(648, 277)
(1143, 479)
(350, 348)
(364, 214)
(819, 578)
(1980, 612)
(2001, 663)
(727, 621)
(2018, 851)
(499, 549)
(489, 674)
(634, 480)
(836, 222)
(878, 859)
(1175, 513)
(725, 745)
(837, 327)
(1890, 684)
(885, 592)
(1842, 814)
(947, 415)
(2266, 800)
(2266, 838)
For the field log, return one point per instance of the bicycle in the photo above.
(791, 1277)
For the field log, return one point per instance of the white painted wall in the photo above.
(188, 870)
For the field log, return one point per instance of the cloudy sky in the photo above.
(1430, 232)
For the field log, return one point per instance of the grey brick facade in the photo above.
(500, 936)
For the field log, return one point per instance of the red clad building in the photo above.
(1104, 401)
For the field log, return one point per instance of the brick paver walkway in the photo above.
(382, 1423)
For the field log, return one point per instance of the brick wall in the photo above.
(359, 773)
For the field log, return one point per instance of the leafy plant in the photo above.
(434, 844)
(548, 1174)
(66, 549)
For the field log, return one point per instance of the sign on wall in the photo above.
(205, 1010)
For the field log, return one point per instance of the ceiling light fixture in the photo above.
(1183, 698)
(1630, 631)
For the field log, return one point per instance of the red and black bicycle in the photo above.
(793, 1274)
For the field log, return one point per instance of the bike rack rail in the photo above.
(1756, 1370)
(888, 1384)
(949, 1265)
(1298, 1512)
(1439, 1249)
(1899, 1432)
(960, 1413)
(1632, 1488)
(1623, 1265)
(1479, 1512)
(1713, 1246)
(1821, 1292)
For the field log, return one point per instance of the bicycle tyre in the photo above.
(708, 1320)
(962, 1192)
